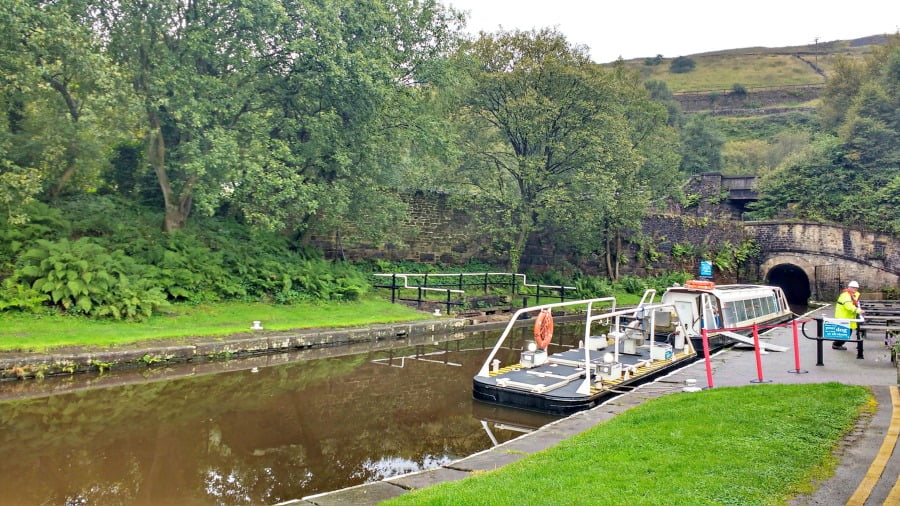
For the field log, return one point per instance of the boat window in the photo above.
(740, 310)
(758, 308)
(728, 312)
(748, 306)
(771, 308)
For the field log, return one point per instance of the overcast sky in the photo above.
(641, 28)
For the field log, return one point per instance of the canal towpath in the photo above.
(868, 469)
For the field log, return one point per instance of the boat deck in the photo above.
(552, 387)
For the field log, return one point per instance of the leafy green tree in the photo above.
(844, 82)
(546, 139)
(701, 146)
(659, 91)
(347, 115)
(852, 177)
(199, 70)
(64, 102)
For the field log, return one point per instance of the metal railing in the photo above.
(457, 284)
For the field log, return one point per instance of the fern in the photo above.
(17, 296)
(82, 277)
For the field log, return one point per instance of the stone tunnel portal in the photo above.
(793, 280)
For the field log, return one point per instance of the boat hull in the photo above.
(565, 401)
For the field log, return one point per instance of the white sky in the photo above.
(642, 28)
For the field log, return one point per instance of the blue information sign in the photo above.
(706, 268)
(836, 330)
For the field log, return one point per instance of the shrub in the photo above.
(43, 222)
(593, 287)
(656, 60)
(665, 280)
(15, 295)
(682, 65)
(738, 90)
(682, 252)
(632, 284)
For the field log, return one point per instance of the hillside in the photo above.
(754, 67)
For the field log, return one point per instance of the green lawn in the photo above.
(27, 332)
(42, 332)
(736, 445)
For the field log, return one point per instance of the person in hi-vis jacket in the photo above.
(847, 308)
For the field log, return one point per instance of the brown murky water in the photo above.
(254, 431)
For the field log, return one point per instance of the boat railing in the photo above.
(648, 297)
(485, 368)
(640, 313)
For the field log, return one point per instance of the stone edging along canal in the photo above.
(67, 361)
(72, 360)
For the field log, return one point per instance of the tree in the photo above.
(62, 97)
(659, 92)
(852, 177)
(347, 113)
(198, 68)
(546, 136)
(701, 147)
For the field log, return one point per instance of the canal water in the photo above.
(254, 431)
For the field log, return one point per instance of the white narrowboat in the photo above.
(726, 311)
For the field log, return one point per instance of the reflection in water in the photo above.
(241, 437)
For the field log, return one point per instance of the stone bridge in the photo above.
(816, 260)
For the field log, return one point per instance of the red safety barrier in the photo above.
(755, 328)
(759, 372)
(796, 369)
(709, 378)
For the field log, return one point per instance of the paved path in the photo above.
(868, 468)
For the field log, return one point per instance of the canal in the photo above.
(254, 431)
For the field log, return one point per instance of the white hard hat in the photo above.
(853, 284)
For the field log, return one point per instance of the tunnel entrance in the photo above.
(793, 280)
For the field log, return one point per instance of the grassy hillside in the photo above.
(721, 71)
(754, 67)
(760, 101)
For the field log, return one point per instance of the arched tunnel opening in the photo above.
(793, 280)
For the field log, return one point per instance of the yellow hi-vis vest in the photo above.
(847, 307)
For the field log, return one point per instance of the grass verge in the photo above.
(734, 445)
(28, 332)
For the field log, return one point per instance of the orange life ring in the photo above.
(543, 329)
(696, 283)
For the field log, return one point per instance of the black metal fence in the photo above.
(455, 290)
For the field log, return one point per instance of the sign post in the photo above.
(836, 329)
(706, 269)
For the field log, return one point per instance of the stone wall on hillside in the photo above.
(434, 233)
(672, 238)
(431, 233)
(724, 100)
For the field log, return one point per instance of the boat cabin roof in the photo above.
(729, 292)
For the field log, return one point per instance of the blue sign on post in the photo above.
(706, 268)
(836, 329)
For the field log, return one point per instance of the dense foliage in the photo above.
(122, 265)
(166, 151)
(552, 141)
(850, 174)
